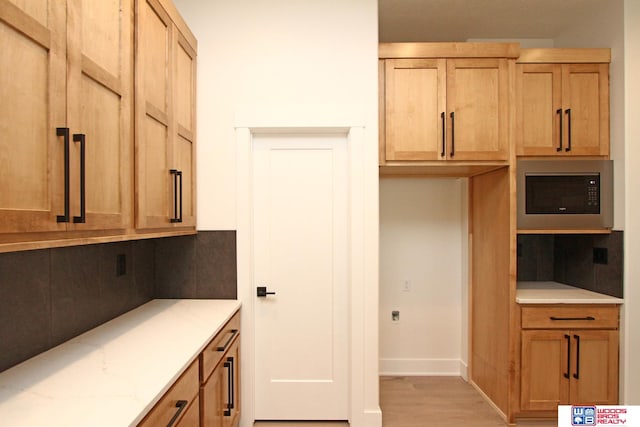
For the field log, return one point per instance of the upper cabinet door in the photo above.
(100, 86)
(585, 97)
(478, 109)
(32, 89)
(165, 120)
(153, 74)
(415, 102)
(539, 109)
(184, 134)
(563, 109)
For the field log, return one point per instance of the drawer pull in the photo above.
(577, 374)
(65, 132)
(180, 404)
(230, 391)
(568, 338)
(81, 138)
(444, 141)
(572, 318)
(453, 138)
(234, 332)
(559, 113)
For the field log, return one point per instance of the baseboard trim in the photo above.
(490, 402)
(423, 367)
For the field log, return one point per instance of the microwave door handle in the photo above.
(559, 113)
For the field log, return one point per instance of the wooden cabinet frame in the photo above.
(572, 362)
(445, 104)
(72, 72)
(563, 102)
(75, 151)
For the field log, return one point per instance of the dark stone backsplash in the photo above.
(49, 296)
(569, 259)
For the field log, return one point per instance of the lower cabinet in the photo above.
(207, 394)
(179, 407)
(220, 380)
(564, 365)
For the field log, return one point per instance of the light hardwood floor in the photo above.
(428, 402)
(438, 402)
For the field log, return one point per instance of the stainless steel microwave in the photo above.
(564, 194)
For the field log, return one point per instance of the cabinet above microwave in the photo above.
(564, 194)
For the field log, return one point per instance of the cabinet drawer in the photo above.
(185, 388)
(212, 354)
(573, 316)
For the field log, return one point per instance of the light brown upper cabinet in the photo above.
(444, 108)
(563, 102)
(66, 135)
(165, 118)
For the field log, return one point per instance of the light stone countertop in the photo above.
(114, 374)
(558, 293)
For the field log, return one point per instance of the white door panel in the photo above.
(300, 253)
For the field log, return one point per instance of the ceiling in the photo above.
(459, 20)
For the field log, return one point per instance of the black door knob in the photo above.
(262, 291)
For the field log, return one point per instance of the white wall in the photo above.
(597, 28)
(631, 316)
(293, 61)
(260, 54)
(422, 227)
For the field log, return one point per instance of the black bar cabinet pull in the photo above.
(453, 139)
(80, 137)
(573, 318)
(568, 338)
(180, 404)
(177, 200)
(577, 374)
(559, 113)
(568, 111)
(65, 132)
(229, 365)
(444, 143)
(234, 332)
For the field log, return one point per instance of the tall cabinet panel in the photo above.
(32, 89)
(165, 117)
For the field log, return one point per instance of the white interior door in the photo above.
(300, 250)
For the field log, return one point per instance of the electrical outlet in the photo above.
(121, 265)
(395, 316)
(406, 285)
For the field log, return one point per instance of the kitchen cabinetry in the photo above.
(563, 107)
(165, 118)
(444, 108)
(66, 139)
(569, 355)
(179, 407)
(208, 393)
(220, 377)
